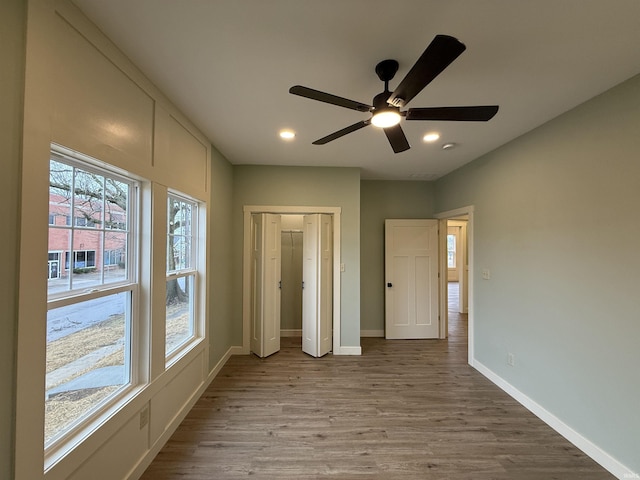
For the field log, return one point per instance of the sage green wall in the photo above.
(12, 55)
(556, 221)
(220, 265)
(380, 200)
(312, 186)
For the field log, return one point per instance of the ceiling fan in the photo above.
(386, 113)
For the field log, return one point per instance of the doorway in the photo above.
(248, 280)
(464, 300)
(457, 267)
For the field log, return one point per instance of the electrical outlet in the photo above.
(486, 273)
(144, 416)
(511, 359)
(342, 267)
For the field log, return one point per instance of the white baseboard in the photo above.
(372, 333)
(348, 351)
(589, 448)
(291, 332)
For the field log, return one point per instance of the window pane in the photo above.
(116, 201)
(178, 253)
(85, 272)
(115, 256)
(92, 241)
(451, 242)
(87, 358)
(180, 219)
(451, 251)
(88, 199)
(179, 312)
(60, 177)
(58, 276)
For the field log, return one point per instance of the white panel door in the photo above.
(317, 276)
(411, 278)
(265, 288)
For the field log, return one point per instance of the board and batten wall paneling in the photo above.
(84, 94)
(181, 159)
(98, 110)
(111, 461)
(170, 399)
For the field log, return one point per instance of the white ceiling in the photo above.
(228, 65)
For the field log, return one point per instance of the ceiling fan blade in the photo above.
(439, 54)
(328, 98)
(397, 139)
(459, 114)
(342, 133)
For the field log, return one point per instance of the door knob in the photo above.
(389, 284)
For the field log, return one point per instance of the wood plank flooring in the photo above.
(405, 409)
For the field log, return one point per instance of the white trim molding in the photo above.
(336, 212)
(348, 351)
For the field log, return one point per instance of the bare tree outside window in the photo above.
(181, 216)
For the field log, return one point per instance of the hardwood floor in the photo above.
(405, 409)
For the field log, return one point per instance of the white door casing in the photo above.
(265, 291)
(411, 279)
(468, 213)
(247, 287)
(317, 295)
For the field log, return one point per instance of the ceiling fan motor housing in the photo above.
(386, 69)
(380, 100)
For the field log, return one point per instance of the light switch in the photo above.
(486, 273)
(342, 267)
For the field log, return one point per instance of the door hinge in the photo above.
(303, 285)
(280, 284)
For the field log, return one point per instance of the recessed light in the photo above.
(431, 137)
(287, 134)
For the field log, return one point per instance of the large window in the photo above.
(181, 271)
(92, 292)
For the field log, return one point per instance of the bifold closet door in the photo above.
(317, 275)
(265, 283)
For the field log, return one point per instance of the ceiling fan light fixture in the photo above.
(386, 117)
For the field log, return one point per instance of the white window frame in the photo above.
(455, 251)
(192, 271)
(65, 440)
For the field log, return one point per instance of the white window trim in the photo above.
(197, 260)
(64, 442)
